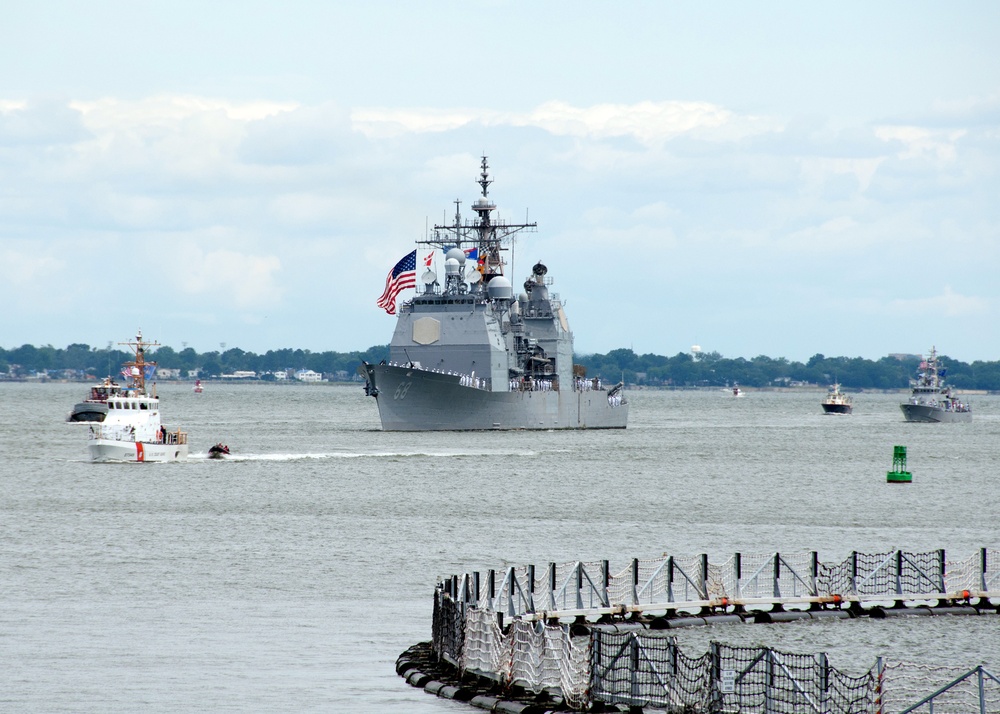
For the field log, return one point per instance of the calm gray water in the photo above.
(290, 577)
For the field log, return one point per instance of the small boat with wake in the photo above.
(930, 400)
(197, 387)
(837, 402)
(218, 451)
(132, 430)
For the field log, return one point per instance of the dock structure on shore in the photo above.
(582, 636)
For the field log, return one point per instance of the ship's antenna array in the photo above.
(488, 236)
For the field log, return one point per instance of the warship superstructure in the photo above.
(469, 354)
(931, 400)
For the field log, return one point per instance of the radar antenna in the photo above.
(486, 234)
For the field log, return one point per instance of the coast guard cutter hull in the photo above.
(469, 355)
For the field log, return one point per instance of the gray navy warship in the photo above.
(470, 355)
(930, 400)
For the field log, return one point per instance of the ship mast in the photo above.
(137, 367)
(489, 236)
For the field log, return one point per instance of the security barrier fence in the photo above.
(592, 637)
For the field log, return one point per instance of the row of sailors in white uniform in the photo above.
(471, 380)
(527, 384)
(530, 384)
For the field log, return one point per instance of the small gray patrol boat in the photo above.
(930, 400)
(470, 355)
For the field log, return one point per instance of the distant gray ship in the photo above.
(470, 355)
(930, 400)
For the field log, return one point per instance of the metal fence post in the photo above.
(769, 681)
(531, 589)
(982, 690)
(899, 572)
(552, 586)
(944, 564)
(738, 568)
(605, 578)
(579, 585)
(635, 581)
(511, 587)
(777, 574)
(879, 682)
(670, 579)
(634, 693)
(824, 682)
(715, 675)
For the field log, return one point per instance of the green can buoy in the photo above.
(899, 474)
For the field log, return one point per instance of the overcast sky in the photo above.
(755, 178)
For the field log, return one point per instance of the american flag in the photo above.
(402, 276)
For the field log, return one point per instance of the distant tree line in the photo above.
(100, 362)
(682, 370)
(713, 370)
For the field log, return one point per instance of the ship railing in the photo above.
(744, 581)
(589, 385)
(122, 432)
(113, 432)
(534, 384)
(176, 437)
(466, 380)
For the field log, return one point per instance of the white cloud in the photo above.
(255, 208)
(27, 268)
(817, 170)
(647, 122)
(920, 142)
(947, 304)
(228, 278)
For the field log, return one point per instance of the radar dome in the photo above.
(456, 254)
(452, 267)
(499, 288)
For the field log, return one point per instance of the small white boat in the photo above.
(132, 430)
(837, 402)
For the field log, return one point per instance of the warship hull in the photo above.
(414, 399)
(933, 414)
